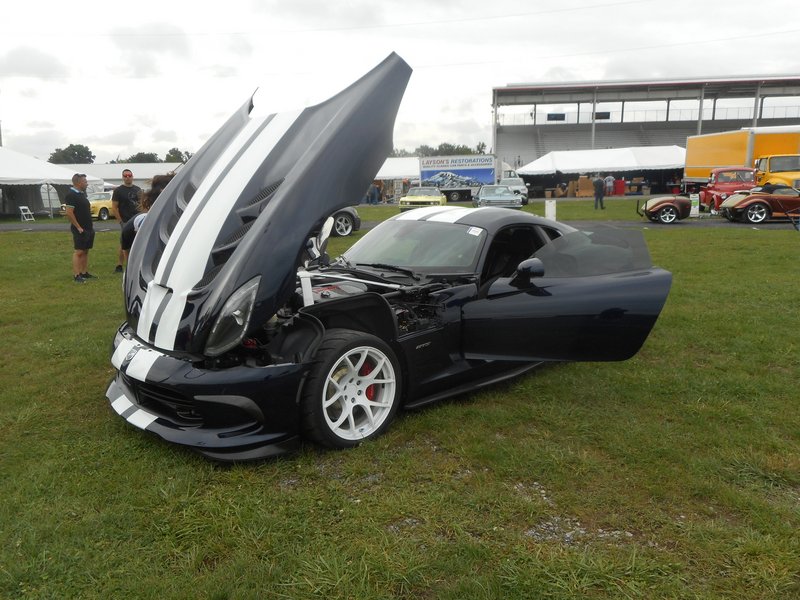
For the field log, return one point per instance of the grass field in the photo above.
(673, 475)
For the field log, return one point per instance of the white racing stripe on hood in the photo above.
(187, 252)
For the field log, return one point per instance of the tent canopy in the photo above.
(399, 168)
(20, 169)
(28, 181)
(612, 160)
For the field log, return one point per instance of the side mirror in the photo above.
(316, 246)
(528, 269)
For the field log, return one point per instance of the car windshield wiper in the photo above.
(408, 272)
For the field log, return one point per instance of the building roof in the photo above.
(643, 90)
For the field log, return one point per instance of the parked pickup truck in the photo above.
(722, 182)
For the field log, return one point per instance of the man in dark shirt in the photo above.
(599, 189)
(79, 214)
(125, 204)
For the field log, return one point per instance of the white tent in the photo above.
(612, 160)
(22, 178)
(111, 174)
(406, 167)
(21, 169)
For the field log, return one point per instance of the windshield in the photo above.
(422, 246)
(785, 163)
(495, 190)
(512, 181)
(100, 196)
(424, 191)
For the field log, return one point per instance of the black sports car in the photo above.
(242, 336)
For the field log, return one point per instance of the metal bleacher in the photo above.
(523, 130)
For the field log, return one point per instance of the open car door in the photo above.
(598, 299)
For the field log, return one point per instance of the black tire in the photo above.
(668, 215)
(342, 225)
(353, 390)
(103, 214)
(454, 196)
(756, 213)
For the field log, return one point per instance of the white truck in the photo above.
(458, 177)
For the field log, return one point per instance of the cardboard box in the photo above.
(585, 187)
(572, 186)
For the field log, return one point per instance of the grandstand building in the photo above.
(530, 120)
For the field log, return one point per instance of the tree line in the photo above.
(443, 149)
(78, 154)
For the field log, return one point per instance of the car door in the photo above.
(598, 300)
(786, 201)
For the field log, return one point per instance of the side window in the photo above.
(509, 248)
(550, 233)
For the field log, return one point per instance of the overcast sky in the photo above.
(148, 76)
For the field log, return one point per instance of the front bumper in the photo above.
(233, 414)
(404, 205)
(498, 204)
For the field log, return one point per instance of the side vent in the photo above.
(248, 214)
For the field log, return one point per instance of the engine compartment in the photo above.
(292, 334)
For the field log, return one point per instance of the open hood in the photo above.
(235, 220)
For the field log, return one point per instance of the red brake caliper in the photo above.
(366, 369)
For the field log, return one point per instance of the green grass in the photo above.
(617, 209)
(673, 475)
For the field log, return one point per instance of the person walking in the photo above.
(599, 189)
(125, 205)
(79, 214)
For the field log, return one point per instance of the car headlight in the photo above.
(232, 323)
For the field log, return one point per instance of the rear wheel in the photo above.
(668, 214)
(454, 196)
(103, 214)
(353, 391)
(756, 213)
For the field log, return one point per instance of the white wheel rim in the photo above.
(359, 393)
(757, 213)
(343, 225)
(668, 215)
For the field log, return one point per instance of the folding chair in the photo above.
(25, 214)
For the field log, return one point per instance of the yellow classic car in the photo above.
(100, 203)
(422, 196)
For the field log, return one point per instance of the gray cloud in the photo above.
(116, 138)
(164, 136)
(159, 38)
(328, 15)
(33, 144)
(31, 62)
(144, 47)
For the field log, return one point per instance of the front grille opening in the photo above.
(185, 411)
